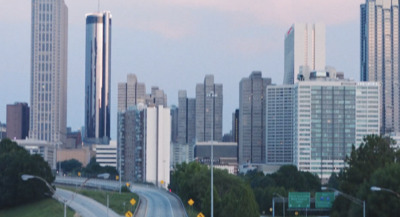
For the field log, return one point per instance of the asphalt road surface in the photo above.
(85, 206)
(157, 202)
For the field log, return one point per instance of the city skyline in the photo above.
(246, 43)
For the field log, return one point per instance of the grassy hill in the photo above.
(44, 208)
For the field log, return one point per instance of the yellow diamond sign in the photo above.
(128, 184)
(128, 214)
(200, 215)
(190, 202)
(133, 201)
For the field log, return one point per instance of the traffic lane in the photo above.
(85, 206)
(141, 209)
(177, 205)
(157, 204)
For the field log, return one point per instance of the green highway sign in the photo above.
(299, 200)
(324, 199)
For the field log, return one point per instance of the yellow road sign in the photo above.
(117, 177)
(133, 201)
(190, 202)
(162, 182)
(200, 215)
(128, 184)
(128, 214)
(79, 173)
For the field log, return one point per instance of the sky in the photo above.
(173, 44)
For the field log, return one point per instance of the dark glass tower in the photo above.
(98, 75)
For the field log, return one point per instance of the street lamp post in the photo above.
(26, 177)
(283, 202)
(375, 188)
(349, 197)
(212, 95)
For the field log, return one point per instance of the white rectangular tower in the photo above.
(304, 46)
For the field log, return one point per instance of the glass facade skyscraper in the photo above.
(98, 75)
(49, 51)
(380, 56)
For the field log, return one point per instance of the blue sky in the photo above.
(173, 44)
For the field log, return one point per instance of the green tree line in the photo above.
(14, 162)
(232, 195)
(374, 163)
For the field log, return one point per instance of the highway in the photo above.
(85, 206)
(157, 202)
(154, 202)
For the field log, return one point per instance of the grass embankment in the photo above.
(120, 203)
(191, 211)
(43, 208)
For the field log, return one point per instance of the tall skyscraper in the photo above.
(183, 147)
(131, 93)
(209, 100)
(98, 76)
(304, 47)
(279, 124)
(174, 123)
(380, 56)
(252, 95)
(235, 126)
(18, 121)
(156, 97)
(49, 51)
(186, 119)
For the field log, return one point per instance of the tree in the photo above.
(14, 162)
(383, 203)
(232, 195)
(374, 154)
(286, 179)
(69, 166)
(93, 169)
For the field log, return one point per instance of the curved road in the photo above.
(155, 202)
(85, 206)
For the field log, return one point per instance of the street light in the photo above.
(26, 177)
(283, 203)
(375, 188)
(212, 95)
(349, 197)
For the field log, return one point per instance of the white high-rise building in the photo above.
(380, 56)
(329, 118)
(49, 51)
(304, 47)
(157, 145)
